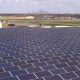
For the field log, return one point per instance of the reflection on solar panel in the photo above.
(40, 54)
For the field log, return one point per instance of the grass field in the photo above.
(55, 22)
(50, 22)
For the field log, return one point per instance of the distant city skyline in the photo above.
(29, 6)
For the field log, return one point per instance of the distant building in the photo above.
(29, 17)
(3, 24)
(40, 16)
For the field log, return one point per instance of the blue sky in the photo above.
(52, 6)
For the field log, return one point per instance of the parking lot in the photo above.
(40, 54)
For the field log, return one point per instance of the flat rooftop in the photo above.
(40, 54)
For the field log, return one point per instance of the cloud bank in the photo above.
(24, 6)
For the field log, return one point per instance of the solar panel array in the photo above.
(40, 54)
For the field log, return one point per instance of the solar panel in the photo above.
(39, 54)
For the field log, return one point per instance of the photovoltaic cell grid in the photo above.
(40, 54)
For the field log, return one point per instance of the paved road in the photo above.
(40, 54)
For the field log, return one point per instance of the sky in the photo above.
(51, 6)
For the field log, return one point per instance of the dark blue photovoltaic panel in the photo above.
(10, 78)
(40, 54)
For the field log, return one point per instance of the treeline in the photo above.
(77, 16)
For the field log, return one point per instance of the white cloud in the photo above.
(48, 5)
(34, 3)
(11, 0)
